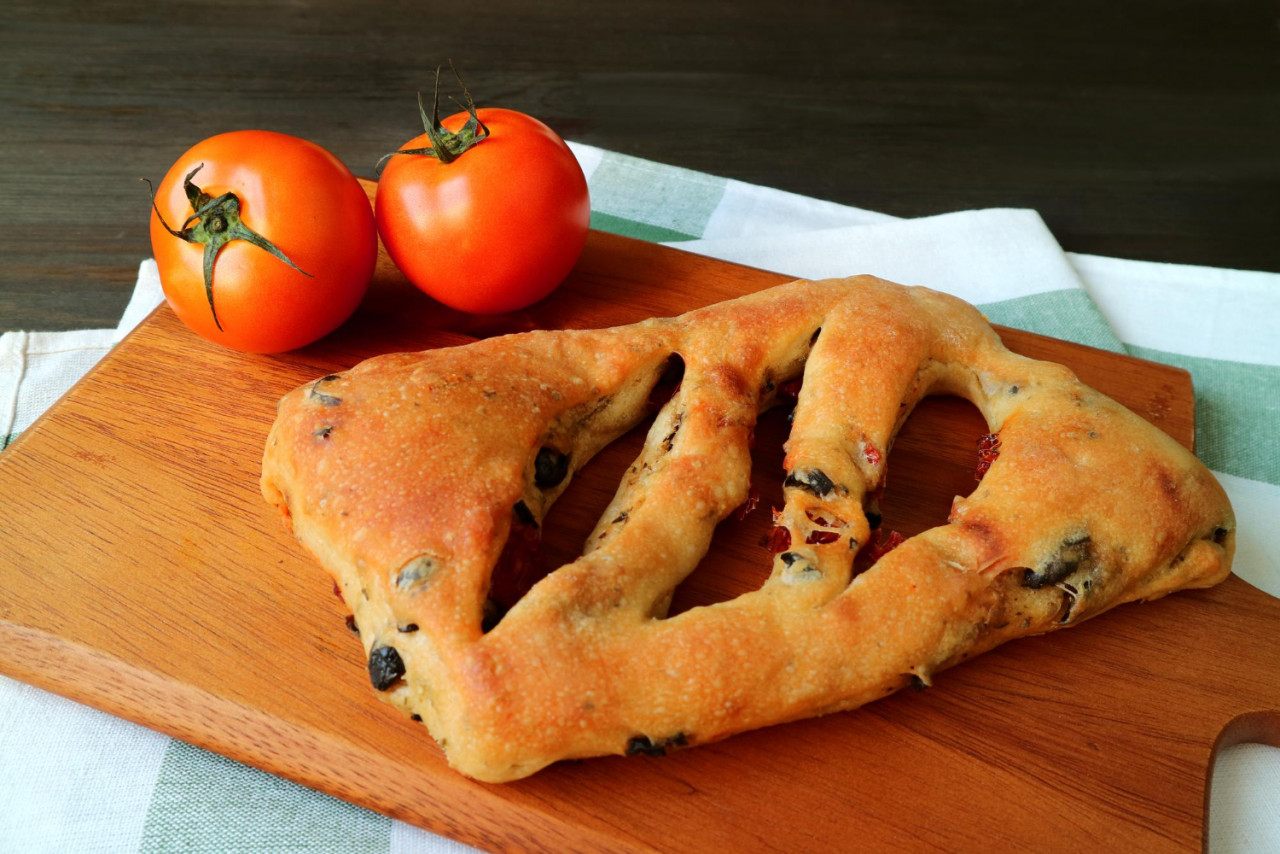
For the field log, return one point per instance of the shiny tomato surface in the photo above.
(301, 199)
(494, 230)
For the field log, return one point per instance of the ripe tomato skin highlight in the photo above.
(299, 197)
(495, 230)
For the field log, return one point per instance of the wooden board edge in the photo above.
(497, 824)
(103, 363)
(1260, 726)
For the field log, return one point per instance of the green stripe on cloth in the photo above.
(1237, 413)
(204, 802)
(638, 230)
(6, 439)
(678, 202)
(1069, 314)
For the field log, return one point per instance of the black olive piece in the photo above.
(599, 406)
(790, 557)
(417, 718)
(385, 667)
(1071, 594)
(768, 386)
(814, 481)
(1073, 552)
(524, 514)
(640, 744)
(677, 740)
(873, 519)
(322, 432)
(321, 397)
(668, 442)
(1220, 535)
(412, 627)
(621, 517)
(549, 468)
(325, 399)
(791, 416)
(918, 684)
(1013, 389)
(415, 572)
(1053, 572)
(351, 623)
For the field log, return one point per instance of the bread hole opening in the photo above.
(740, 557)
(573, 517)
(934, 459)
(532, 550)
(669, 380)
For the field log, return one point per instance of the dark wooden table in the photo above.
(1146, 129)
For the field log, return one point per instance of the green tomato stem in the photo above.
(213, 223)
(446, 146)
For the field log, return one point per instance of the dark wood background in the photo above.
(1146, 129)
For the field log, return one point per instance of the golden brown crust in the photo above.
(405, 475)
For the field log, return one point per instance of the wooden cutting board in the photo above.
(142, 573)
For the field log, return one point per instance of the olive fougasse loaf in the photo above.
(409, 475)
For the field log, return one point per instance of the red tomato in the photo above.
(494, 230)
(304, 202)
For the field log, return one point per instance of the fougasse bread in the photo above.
(409, 475)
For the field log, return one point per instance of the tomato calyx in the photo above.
(446, 146)
(213, 223)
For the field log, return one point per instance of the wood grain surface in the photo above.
(1145, 129)
(143, 574)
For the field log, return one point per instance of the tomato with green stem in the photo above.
(487, 211)
(265, 242)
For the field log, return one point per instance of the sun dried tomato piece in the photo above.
(880, 544)
(823, 522)
(777, 540)
(821, 538)
(884, 544)
(790, 390)
(744, 509)
(988, 453)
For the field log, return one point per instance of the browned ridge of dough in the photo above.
(406, 475)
